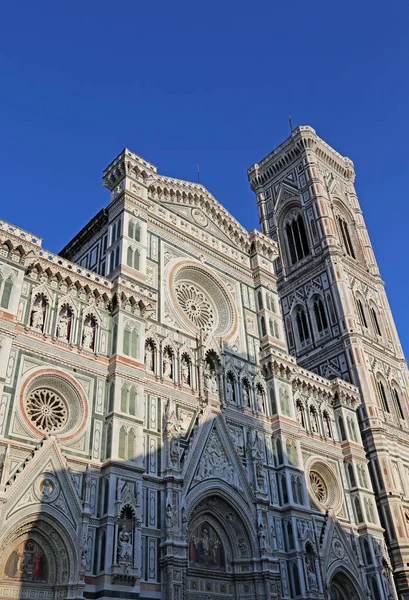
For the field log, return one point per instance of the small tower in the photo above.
(337, 318)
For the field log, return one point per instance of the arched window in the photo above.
(361, 313)
(320, 315)
(122, 443)
(5, 297)
(268, 301)
(303, 331)
(375, 321)
(260, 300)
(396, 398)
(346, 238)
(263, 326)
(358, 510)
(351, 475)
(367, 552)
(124, 399)
(297, 240)
(284, 488)
(136, 260)
(111, 397)
(382, 396)
(129, 257)
(131, 445)
(290, 535)
(271, 326)
(134, 231)
(341, 428)
(273, 403)
(108, 445)
(296, 579)
(130, 345)
(279, 450)
(132, 401)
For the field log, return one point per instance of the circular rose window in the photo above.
(202, 300)
(53, 404)
(47, 410)
(323, 484)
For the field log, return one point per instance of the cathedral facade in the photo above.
(192, 411)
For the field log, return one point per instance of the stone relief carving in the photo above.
(214, 463)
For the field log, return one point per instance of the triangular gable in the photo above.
(199, 218)
(214, 457)
(44, 482)
(337, 549)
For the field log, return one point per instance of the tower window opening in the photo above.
(320, 316)
(361, 313)
(346, 238)
(297, 240)
(398, 403)
(375, 322)
(382, 396)
(302, 325)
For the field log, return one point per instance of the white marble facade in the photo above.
(157, 438)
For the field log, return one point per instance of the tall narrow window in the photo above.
(398, 403)
(127, 338)
(346, 238)
(134, 343)
(375, 322)
(320, 316)
(131, 445)
(260, 300)
(129, 257)
(5, 298)
(124, 399)
(122, 443)
(137, 235)
(361, 313)
(132, 401)
(130, 229)
(136, 260)
(382, 396)
(263, 326)
(302, 326)
(297, 240)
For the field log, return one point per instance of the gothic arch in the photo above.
(58, 542)
(342, 583)
(233, 512)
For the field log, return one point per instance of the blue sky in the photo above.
(182, 83)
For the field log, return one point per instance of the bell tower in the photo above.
(337, 317)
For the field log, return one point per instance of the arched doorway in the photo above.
(37, 557)
(217, 542)
(343, 588)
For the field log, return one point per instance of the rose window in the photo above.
(195, 306)
(324, 484)
(46, 410)
(318, 487)
(53, 403)
(200, 301)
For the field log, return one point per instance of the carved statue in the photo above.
(245, 395)
(37, 314)
(169, 517)
(167, 365)
(88, 335)
(149, 353)
(63, 324)
(185, 371)
(125, 549)
(229, 390)
(259, 401)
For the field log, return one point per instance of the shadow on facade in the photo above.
(224, 517)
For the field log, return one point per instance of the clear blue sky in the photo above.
(209, 82)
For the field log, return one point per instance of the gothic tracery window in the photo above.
(361, 313)
(382, 396)
(297, 239)
(398, 404)
(6, 292)
(302, 325)
(375, 321)
(320, 315)
(130, 342)
(346, 237)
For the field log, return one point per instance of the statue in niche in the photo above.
(259, 400)
(230, 394)
(88, 335)
(314, 421)
(38, 313)
(210, 379)
(172, 428)
(149, 357)
(245, 394)
(64, 324)
(169, 517)
(185, 370)
(310, 564)
(167, 364)
(125, 549)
